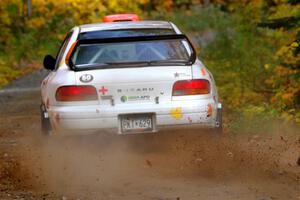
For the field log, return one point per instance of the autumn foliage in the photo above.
(251, 46)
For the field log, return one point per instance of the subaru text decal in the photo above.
(135, 90)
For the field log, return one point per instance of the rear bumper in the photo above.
(202, 113)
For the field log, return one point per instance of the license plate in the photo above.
(136, 123)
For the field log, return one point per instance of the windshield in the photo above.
(118, 54)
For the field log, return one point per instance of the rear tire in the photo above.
(46, 128)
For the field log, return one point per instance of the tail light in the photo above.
(191, 87)
(76, 93)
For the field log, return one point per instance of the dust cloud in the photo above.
(252, 164)
(140, 166)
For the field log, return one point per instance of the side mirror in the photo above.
(49, 62)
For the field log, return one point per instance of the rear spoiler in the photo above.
(129, 39)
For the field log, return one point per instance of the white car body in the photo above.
(126, 91)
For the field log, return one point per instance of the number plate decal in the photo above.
(132, 123)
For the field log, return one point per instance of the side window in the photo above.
(62, 49)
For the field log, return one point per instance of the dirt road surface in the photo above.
(172, 165)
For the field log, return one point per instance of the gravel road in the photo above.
(172, 165)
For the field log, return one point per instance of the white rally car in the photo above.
(128, 76)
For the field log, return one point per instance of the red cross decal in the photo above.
(103, 90)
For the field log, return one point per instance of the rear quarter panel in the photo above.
(55, 80)
(199, 71)
(62, 75)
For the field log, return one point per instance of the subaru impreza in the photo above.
(128, 76)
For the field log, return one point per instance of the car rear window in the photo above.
(115, 54)
(124, 33)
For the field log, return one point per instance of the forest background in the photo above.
(251, 46)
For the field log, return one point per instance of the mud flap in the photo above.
(219, 125)
(46, 128)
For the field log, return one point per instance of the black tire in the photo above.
(46, 128)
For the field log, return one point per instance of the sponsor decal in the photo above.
(176, 75)
(203, 71)
(209, 110)
(176, 113)
(107, 97)
(135, 98)
(124, 98)
(142, 90)
(103, 90)
(85, 78)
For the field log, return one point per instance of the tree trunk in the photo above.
(28, 8)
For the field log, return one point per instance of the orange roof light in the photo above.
(121, 18)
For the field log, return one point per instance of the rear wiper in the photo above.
(168, 62)
(130, 63)
(150, 63)
(92, 66)
(109, 65)
(83, 66)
